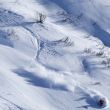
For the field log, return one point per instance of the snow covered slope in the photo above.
(60, 64)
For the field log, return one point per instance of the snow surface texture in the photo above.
(60, 64)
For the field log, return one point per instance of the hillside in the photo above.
(54, 54)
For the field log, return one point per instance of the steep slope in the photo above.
(60, 64)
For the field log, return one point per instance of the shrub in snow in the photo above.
(65, 17)
(99, 53)
(87, 50)
(40, 17)
(106, 62)
(12, 35)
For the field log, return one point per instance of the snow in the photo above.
(60, 64)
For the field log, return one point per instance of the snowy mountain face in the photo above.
(54, 54)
